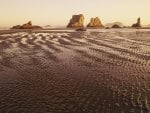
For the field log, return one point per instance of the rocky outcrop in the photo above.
(116, 26)
(76, 21)
(95, 22)
(138, 23)
(26, 26)
(114, 23)
(16, 27)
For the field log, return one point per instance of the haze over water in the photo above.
(58, 12)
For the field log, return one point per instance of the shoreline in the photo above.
(55, 30)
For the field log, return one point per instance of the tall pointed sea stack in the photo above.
(138, 24)
(76, 21)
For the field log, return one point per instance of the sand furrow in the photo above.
(103, 71)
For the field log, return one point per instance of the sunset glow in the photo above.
(58, 12)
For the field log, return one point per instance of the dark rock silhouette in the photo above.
(107, 27)
(138, 24)
(16, 27)
(116, 26)
(26, 26)
(81, 29)
(95, 22)
(112, 24)
(76, 21)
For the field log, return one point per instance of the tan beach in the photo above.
(65, 71)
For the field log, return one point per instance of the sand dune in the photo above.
(64, 71)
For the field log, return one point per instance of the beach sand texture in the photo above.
(97, 71)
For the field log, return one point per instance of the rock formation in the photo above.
(112, 24)
(116, 26)
(76, 21)
(26, 26)
(138, 24)
(95, 22)
(81, 29)
(16, 27)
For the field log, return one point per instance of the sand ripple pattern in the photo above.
(75, 72)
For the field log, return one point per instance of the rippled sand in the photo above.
(98, 71)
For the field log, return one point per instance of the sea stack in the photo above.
(77, 21)
(95, 22)
(138, 24)
(28, 25)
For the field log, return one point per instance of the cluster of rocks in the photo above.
(77, 21)
(26, 26)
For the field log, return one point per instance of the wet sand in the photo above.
(58, 71)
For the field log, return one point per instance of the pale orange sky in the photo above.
(58, 12)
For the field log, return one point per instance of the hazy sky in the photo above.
(58, 12)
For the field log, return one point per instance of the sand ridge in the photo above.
(98, 71)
